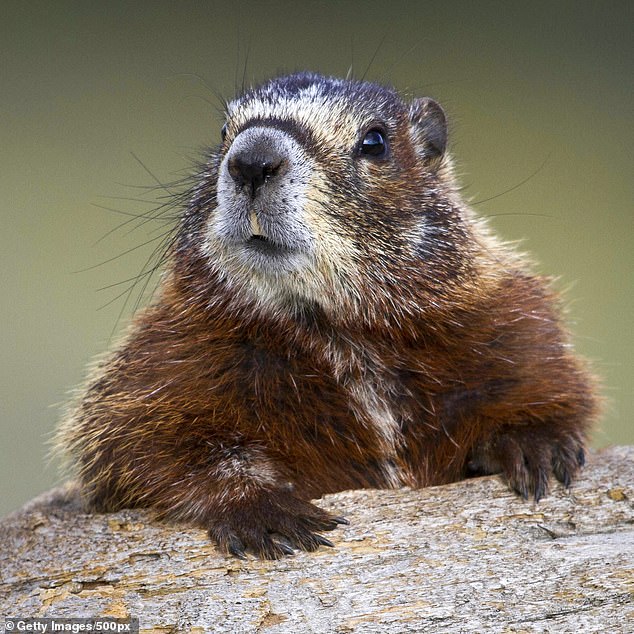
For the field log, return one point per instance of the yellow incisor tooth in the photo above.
(255, 225)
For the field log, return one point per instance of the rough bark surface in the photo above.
(467, 557)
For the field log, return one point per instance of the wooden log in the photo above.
(466, 557)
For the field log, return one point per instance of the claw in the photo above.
(338, 519)
(566, 479)
(285, 548)
(237, 551)
(541, 486)
(540, 477)
(523, 491)
(322, 541)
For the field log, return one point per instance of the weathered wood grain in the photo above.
(468, 557)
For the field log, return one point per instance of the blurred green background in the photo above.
(84, 86)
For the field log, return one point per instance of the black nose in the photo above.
(250, 168)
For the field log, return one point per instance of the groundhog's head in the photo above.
(331, 192)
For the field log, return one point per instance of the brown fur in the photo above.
(232, 411)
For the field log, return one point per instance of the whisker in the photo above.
(246, 63)
(130, 199)
(388, 72)
(116, 257)
(350, 72)
(376, 52)
(147, 169)
(518, 185)
(133, 217)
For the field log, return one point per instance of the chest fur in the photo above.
(377, 403)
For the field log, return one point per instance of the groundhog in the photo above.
(332, 316)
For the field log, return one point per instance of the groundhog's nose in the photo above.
(250, 168)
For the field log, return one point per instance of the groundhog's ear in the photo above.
(429, 127)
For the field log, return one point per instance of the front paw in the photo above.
(271, 525)
(526, 456)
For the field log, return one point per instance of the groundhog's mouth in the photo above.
(270, 256)
(263, 244)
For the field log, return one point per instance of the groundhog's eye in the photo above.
(223, 132)
(374, 143)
